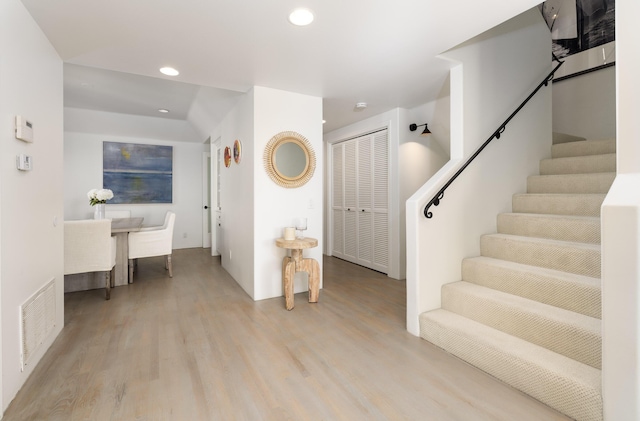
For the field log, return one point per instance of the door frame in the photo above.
(396, 121)
(207, 220)
(213, 185)
(329, 196)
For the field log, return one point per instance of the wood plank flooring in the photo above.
(196, 347)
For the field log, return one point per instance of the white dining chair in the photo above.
(89, 247)
(152, 241)
(112, 214)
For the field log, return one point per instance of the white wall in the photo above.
(83, 172)
(421, 157)
(492, 75)
(276, 207)
(31, 206)
(237, 196)
(585, 105)
(254, 208)
(414, 159)
(621, 235)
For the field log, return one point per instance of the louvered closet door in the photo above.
(360, 201)
(365, 228)
(350, 202)
(337, 200)
(380, 206)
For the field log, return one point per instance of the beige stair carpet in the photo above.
(558, 204)
(527, 311)
(578, 293)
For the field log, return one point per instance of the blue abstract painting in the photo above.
(138, 173)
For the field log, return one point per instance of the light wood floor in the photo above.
(196, 347)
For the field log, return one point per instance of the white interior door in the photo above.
(360, 201)
(337, 201)
(380, 205)
(206, 200)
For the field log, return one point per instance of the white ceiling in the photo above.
(382, 52)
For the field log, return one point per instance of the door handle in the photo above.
(206, 207)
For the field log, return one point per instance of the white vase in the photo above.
(98, 212)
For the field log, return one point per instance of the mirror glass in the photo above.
(290, 159)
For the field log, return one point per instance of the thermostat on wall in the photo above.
(24, 129)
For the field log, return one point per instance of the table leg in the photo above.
(121, 271)
(107, 281)
(288, 272)
(312, 267)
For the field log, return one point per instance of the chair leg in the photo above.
(113, 276)
(169, 265)
(108, 284)
(131, 266)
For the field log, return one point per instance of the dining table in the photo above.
(120, 228)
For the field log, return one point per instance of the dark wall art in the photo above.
(583, 34)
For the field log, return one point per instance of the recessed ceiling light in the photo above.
(324, 121)
(163, 110)
(301, 17)
(169, 71)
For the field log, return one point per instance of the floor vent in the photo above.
(37, 321)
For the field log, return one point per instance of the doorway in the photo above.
(206, 200)
(360, 200)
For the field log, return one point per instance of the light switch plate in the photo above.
(24, 162)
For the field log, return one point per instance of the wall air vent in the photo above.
(37, 321)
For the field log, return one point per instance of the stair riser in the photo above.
(568, 258)
(581, 342)
(580, 205)
(579, 165)
(583, 298)
(575, 392)
(584, 148)
(599, 183)
(578, 230)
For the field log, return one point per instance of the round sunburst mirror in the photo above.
(289, 159)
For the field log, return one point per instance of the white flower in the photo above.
(104, 194)
(99, 196)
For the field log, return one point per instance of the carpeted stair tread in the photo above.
(568, 333)
(528, 310)
(558, 204)
(593, 183)
(579, 164)
(564, 384)
(583, 148)
(569, 291)
(580, 258)
(584, 229)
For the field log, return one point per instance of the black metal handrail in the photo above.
(435, 201)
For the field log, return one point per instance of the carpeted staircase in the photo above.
(527, 311)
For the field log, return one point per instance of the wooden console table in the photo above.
(296, 263)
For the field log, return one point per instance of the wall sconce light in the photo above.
(425, 132)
